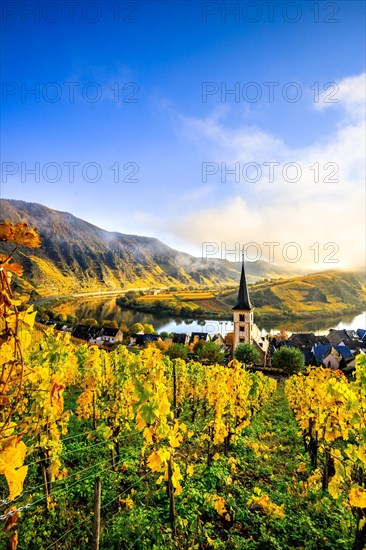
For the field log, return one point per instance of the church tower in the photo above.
(243, 313)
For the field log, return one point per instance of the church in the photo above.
(245, 331)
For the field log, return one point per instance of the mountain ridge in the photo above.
(77, 255)
(319, 294)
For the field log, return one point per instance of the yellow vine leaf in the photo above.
(6, 352)
(176, 477)
(154, 461)
(357, 497)
(15, 480)
(210, 541)
(19, 233)
(11, 465)
(28, 316)
(12, 268)
(107, 432)
(219, 504)
(13, 454)
(268, 507)
(128, 502)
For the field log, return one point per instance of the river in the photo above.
(106, 308)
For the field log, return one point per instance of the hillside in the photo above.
(326, 293)
(78, 256)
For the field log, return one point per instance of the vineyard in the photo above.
(205, 301)
(178, 296)
(124, 450)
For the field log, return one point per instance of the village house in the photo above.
(199, 336)
(306, 340)
(222, 343)
(355, 340)
(345, 352)
(334, 357)
(261, 344)
(111, 335)
(336, 336)
(337, 350)
(86, 332)
(143, 339)
(180, 338)
(219, 340)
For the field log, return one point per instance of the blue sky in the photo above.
(163, 57)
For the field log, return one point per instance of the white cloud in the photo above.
(348, 94)
(308, 211)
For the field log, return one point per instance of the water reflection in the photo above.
(107, 308)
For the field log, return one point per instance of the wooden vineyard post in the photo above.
(175, 390)
(94, 413)
(172, 512)
(96, 520)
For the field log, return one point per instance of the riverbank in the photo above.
(104, 307)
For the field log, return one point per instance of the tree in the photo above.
(211, 352)
(247, 354)
(197, 345)
(109, 324)
(124, 328)
(160, 344)
(90, 322)
(33, 295)
(137, 327)
(148, 329)
(177, 351)
(131, 296)
(51, 313)
(164, 335)
(291, 360)
(62, 317)
(72, 319)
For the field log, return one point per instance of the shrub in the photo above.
(177, 351)
(211, 352)
(291, 360)
(247, 354)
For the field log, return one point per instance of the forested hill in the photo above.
(77, 255)
(327, 292)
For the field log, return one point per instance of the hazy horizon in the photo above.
(232, 253)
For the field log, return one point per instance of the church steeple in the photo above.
(243, 301)
(243, 313)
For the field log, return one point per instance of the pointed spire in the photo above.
(243, 301)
